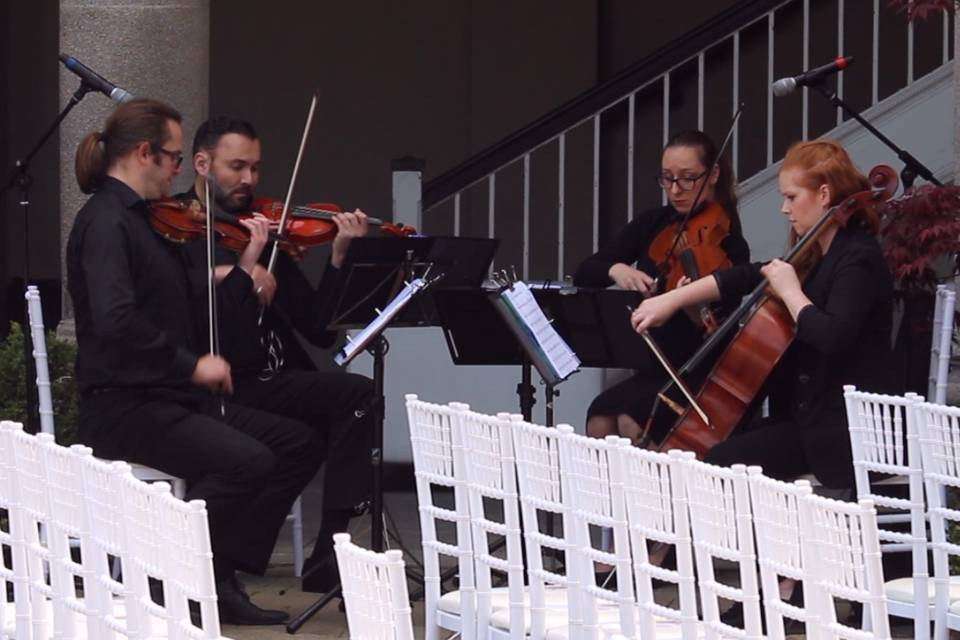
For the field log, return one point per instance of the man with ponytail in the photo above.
(148, 391)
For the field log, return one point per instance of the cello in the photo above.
(762, 330)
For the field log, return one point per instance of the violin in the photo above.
(312, 224)
(764, 330)
(693, 251)
(183, 220)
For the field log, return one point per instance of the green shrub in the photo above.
(61, 355)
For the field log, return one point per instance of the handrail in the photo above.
(581, 107)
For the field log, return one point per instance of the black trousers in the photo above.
(248, 466)
(337, 406)
(780, 448)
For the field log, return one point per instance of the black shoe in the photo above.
(236, 608)
(320, 572)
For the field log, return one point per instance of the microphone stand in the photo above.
(911, 166)
(21, 178)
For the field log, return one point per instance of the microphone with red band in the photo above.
(786, 86)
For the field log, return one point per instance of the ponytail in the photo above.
(91, 163)
(131, 124)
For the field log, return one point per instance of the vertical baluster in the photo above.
(701, 63)
(596, 182)
(946, 36)
(840, 23)
(631, 110)
(456, 213)
(735, 151)
(875, 77)
(491, 204)
(770, 27)
(526, 216)
(806, 65)
(561, 203)
(666, 123)
(909, 52)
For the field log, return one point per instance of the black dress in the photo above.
(842, 338)
(678, 338)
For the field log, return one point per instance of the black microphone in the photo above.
(786, 86)
(94, 80)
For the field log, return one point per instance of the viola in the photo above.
(184, 220)
(764, 330)
(312, 224)
(693, 251)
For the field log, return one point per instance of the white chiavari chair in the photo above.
(884, 445)
(781, 551)
(656, 508)
(722, 525)
(438, 462)
(374, 592)
(844, 565)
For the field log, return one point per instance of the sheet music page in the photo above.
(558, 353)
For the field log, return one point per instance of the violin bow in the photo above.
(293, 179)
(212, 318)
(703, 185)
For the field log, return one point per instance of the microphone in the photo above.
(786, 86)
(93, 80)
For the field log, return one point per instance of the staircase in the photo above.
(559, 188)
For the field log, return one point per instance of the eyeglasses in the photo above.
(686, 183)
(176, 156)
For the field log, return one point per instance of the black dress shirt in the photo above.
(136, 326)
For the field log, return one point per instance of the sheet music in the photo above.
(556, 352)
(360, 341)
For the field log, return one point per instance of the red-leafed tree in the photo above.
(922, 9)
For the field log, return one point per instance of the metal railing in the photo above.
(648, 87)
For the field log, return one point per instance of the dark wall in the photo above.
(29, 34)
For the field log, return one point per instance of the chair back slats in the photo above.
(938, 428)
(885, 442)
(490, 472)
(542, 488)
(438, 460)
(722, 525)
(374, 592)
(846, 563)
(594, 501)
(781, 549)
(656, 509)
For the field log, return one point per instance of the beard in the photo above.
(236, 200)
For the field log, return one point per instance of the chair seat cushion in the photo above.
(901, 589)
(555, 596)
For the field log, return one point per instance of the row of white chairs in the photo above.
(500, 467)
(919, 441)
(56, 502)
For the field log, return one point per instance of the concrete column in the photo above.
(152, 48)
(956, 102)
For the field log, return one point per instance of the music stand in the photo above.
(375, 272)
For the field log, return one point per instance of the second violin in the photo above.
(313, 224)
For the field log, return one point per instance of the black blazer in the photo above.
(843, 338)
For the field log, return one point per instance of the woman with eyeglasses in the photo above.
(685, 171)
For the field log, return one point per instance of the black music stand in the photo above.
(374, 272)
